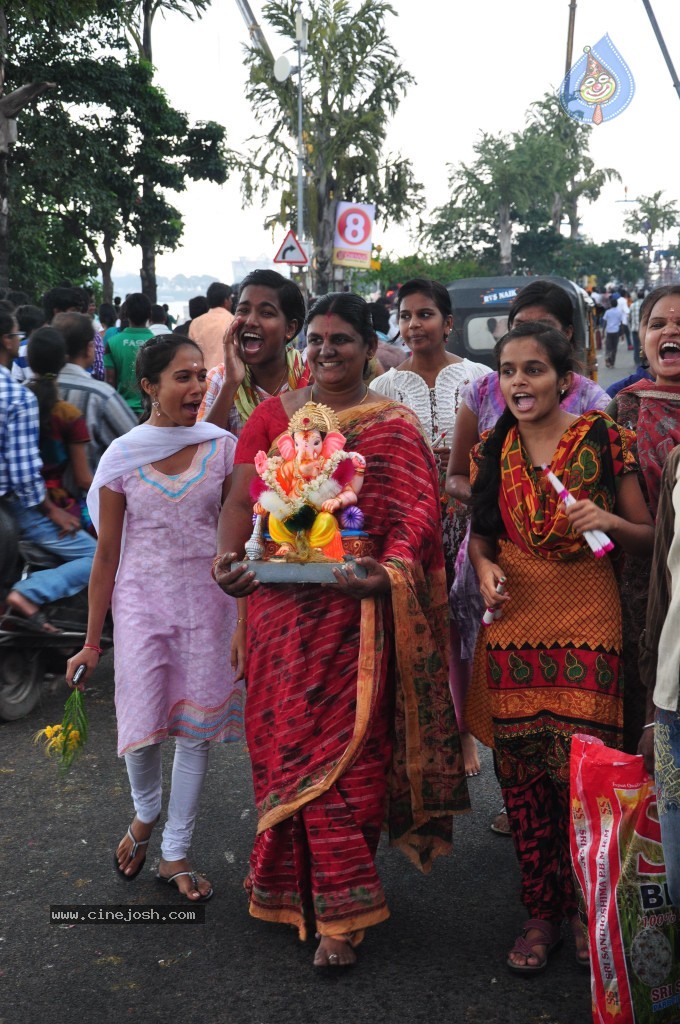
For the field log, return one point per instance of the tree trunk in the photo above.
(147, 271)
(147, 19)
(505, 238)
(322, 232)
(324, 246)
(556, 212)
(106, 266)
(147, 242)
(574, 220)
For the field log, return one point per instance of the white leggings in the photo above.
(188, 772)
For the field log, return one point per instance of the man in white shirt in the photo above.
(612, 324)
(158, 322)
(624, 307)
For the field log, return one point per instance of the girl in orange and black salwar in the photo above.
(349, 717)
(549, 666)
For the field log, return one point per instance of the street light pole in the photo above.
(662, 44)
(301, 46)
(570, 36)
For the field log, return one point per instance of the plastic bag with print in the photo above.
(618, 860)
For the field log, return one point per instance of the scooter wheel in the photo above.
(20, 674)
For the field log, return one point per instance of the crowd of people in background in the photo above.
(120, 424)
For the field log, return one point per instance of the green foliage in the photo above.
(138, 17)
(397, 269)
(575, 177)
(97, 154)
(546, 252)
(524, 180)
(353, 81)
(511, 180)
(45, 252)
(652, 217)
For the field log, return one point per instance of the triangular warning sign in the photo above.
(291, 251)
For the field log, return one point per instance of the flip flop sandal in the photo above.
(133, 853)
(550, 936)
(194, 880)
(496, 828)
(34, 623)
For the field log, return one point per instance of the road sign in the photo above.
(290, 251)
(352, 242)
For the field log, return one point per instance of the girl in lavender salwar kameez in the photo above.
(155, 502)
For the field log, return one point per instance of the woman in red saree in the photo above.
(549, 666)
(349, 718)
(651, 408)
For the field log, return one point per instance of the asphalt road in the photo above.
(440, 957)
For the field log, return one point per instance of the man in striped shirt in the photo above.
(106, 413)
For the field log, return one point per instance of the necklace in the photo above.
(283, 381)
(358, 403)
(272, 394)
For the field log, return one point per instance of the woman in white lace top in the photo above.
(430, 382)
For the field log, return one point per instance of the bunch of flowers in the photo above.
(67, 738)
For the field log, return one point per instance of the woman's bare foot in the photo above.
(192, 885)
(334, 953)
(470, 754)
(581, 940)
(127, 863)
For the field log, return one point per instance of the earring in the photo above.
(563, 392)
(156, 406)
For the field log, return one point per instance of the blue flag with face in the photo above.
(599, 86)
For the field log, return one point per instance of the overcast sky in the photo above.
(478, 66)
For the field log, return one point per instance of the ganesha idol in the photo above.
(304, 489)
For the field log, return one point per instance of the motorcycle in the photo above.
(29, 659)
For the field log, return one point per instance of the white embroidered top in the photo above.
(436, 407)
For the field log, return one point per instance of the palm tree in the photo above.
(652, 217)
(353, 83)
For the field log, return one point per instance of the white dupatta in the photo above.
(139, 447)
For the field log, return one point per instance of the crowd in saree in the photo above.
(363, 702)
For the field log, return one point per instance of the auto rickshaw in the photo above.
(481, 306)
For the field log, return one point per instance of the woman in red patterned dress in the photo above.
(349, 719)
(549, 665)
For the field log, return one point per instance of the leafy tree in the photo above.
(138, 17)
(512, 178)
(56, 15)
(519, 184)
(99, 149)
(397, 269)
(353, 83)
(169, 152)
(546, 252)
(576, 178)
(652, 217)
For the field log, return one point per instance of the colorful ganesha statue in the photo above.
(302, 488)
